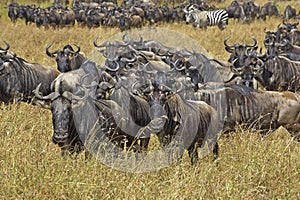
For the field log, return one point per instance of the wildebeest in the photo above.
(19, 78)
(192, 124)
(289, 13)
(13, 11)
(236, 11)
(277, 68)
(269, 9)
(63, 92)
(260, 110)
(67, 59)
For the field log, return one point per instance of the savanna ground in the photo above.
(249, 166)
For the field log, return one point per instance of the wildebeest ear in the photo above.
(42, 103)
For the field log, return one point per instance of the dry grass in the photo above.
(249, 167)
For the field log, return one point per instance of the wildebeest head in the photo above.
(62, 116)
(114, 52)
(238, 50)
(156, 96)
(4, 68)
(247, 68)
(63, 57)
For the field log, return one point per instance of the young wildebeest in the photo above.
(189, 124)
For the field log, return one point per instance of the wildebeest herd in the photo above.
(131, 14)
(144, 87)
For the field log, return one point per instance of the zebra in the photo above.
(202, 19)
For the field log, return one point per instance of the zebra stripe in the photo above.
(216, 17)
(207, 18)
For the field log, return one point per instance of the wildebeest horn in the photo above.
(113, 70)
(177, 66)
(124, 59)
(7, 47)
(226, 45)
(267, 42)
(50, 96)
(101, 45)
(254, 44)
(70, 96)
(180, 87)
(261, 63)
(78, 48)
(134, 87)
(233, 62)
(248, 52)
(50, 54)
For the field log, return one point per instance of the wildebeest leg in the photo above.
(87, 155)
(216, 151)
(144, 142)
(193, 154)
(293, 129)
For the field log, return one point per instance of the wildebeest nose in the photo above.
(156, 111)
(60, 134)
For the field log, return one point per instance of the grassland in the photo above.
(249, 166)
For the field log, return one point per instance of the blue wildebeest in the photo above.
(63, 92)
(67, 59)
(277, 69)
(191, 124)
(260, 110)
(19, 78)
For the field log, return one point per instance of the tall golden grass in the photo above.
(249, 166)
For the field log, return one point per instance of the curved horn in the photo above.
(50, 54)
(227, 45)
(70, 96)
(100, 45)
(114, 70)
(180, 87)
(7, 47)
(233, 63)
(177, 66)
(134, 87)
(78, 48)
(125, 36)
(254, 44)
(248, 52)
(124, 59)
(267, 42)
(50, 96)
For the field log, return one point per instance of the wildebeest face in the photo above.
(63, 62)
(61, 118)
(156, 96)
(4, 68)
